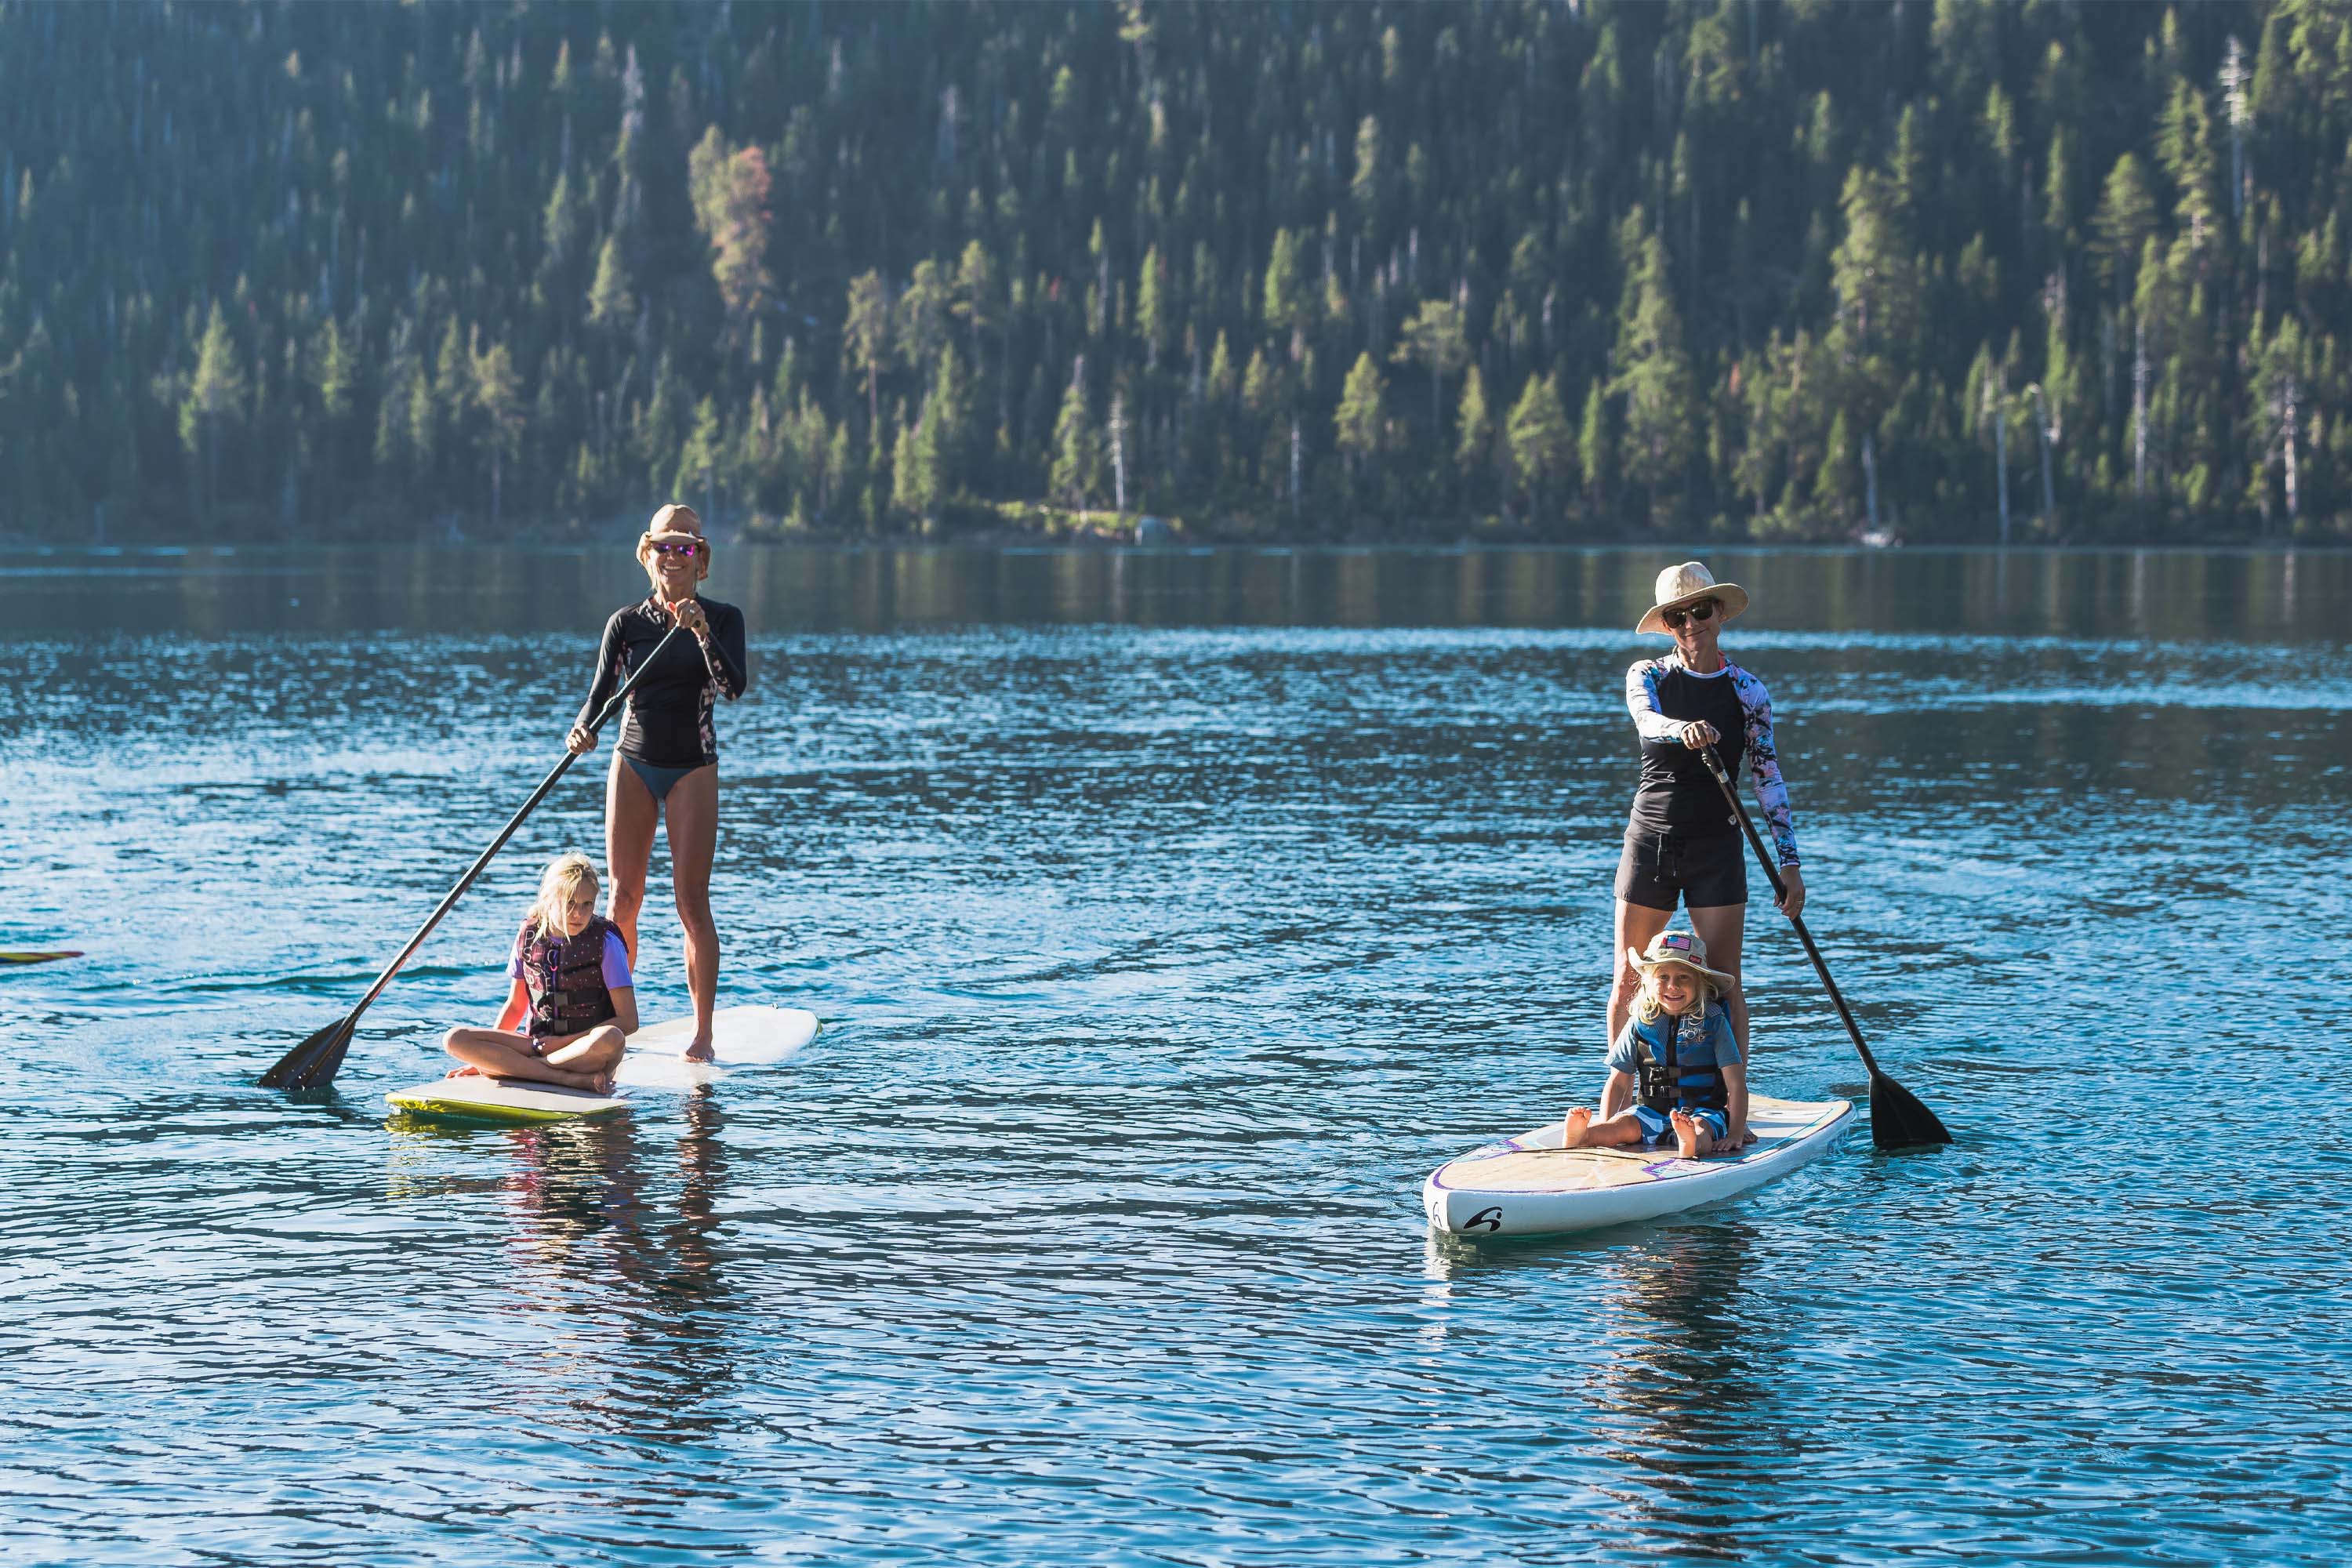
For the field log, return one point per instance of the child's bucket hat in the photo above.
(1680, 947)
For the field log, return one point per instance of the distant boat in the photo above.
(1879, 539)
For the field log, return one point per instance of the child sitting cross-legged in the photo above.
(1674, 1072)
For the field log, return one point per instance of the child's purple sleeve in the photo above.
(617, 963)
(514, 959)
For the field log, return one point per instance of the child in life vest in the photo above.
(572, 1000)
(1675, 1071)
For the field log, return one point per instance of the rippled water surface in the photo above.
(1170, 917)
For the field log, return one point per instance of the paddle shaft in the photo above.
(504, 833)
(1781, 891)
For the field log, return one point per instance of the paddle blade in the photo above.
(1897, 1119)
(312, 1064)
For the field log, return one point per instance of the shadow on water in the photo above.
(618, 1227)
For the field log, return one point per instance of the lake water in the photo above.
(1172, 916)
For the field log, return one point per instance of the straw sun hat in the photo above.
(1687, 584)
(1682, 947)
(672, 524)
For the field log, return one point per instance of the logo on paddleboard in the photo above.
(1489, 1219)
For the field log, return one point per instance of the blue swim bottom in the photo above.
(1657, 1127)
(659, 782)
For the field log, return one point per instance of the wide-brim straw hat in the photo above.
(1685, 948)
(1687, 584)
(675, 522)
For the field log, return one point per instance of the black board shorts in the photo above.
(1703, 872)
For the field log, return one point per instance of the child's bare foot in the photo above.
(463, 1070)
(1572, 1131)
(1690, 1140)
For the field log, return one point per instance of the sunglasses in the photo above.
(1703, 611)
(690, 550)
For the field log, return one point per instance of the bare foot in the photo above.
(1572, 1131)
(699, 1051)
(1690, 1140)
(464, 1070)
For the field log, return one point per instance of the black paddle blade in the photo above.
(312, 1064)
(1897, 1119)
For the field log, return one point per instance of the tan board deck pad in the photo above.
(1555, 1170)
(1775, 1122)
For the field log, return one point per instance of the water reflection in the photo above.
(2139, 593)
(1679, 1376)
(1680, 1382)
(593, 1236)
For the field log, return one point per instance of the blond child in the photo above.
(1675, 1070)
(572, 986)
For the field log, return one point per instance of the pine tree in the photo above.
(730, 192)
(1542, 446)
(1289, 303)
(1360, 425)
(1474, 440)
(1435, 339)
(1077, 447)
(498, 399)
(1596, 453)
(215, 397)
(1654, 373)
(1151, 313)
(2127, 217)
(609, 303)
(866, 340)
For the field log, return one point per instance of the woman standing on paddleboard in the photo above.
(666, 765)
(1683, 843)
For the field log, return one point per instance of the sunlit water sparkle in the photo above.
(1170, 917)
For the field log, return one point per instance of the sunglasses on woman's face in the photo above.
(1702, 611)
(690, 550)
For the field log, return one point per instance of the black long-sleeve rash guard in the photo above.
(666, 723)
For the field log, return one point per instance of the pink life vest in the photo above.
(565, 978)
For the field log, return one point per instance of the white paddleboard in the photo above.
(1530, 1186)
(740, 1037)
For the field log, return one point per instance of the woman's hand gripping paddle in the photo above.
(1897, 1119)
(313, 1063)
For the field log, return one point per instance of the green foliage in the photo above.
(1360, 426)
(1543, 448)
(819, 269)
(1077, 472)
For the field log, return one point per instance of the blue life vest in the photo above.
(565, 978)
(1664, 1082)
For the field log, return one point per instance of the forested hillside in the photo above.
(1567, 271)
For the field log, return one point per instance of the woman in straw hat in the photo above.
(1683, 843)
(666, 765)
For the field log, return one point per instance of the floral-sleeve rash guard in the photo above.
(668, 722)
(1677, 794)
